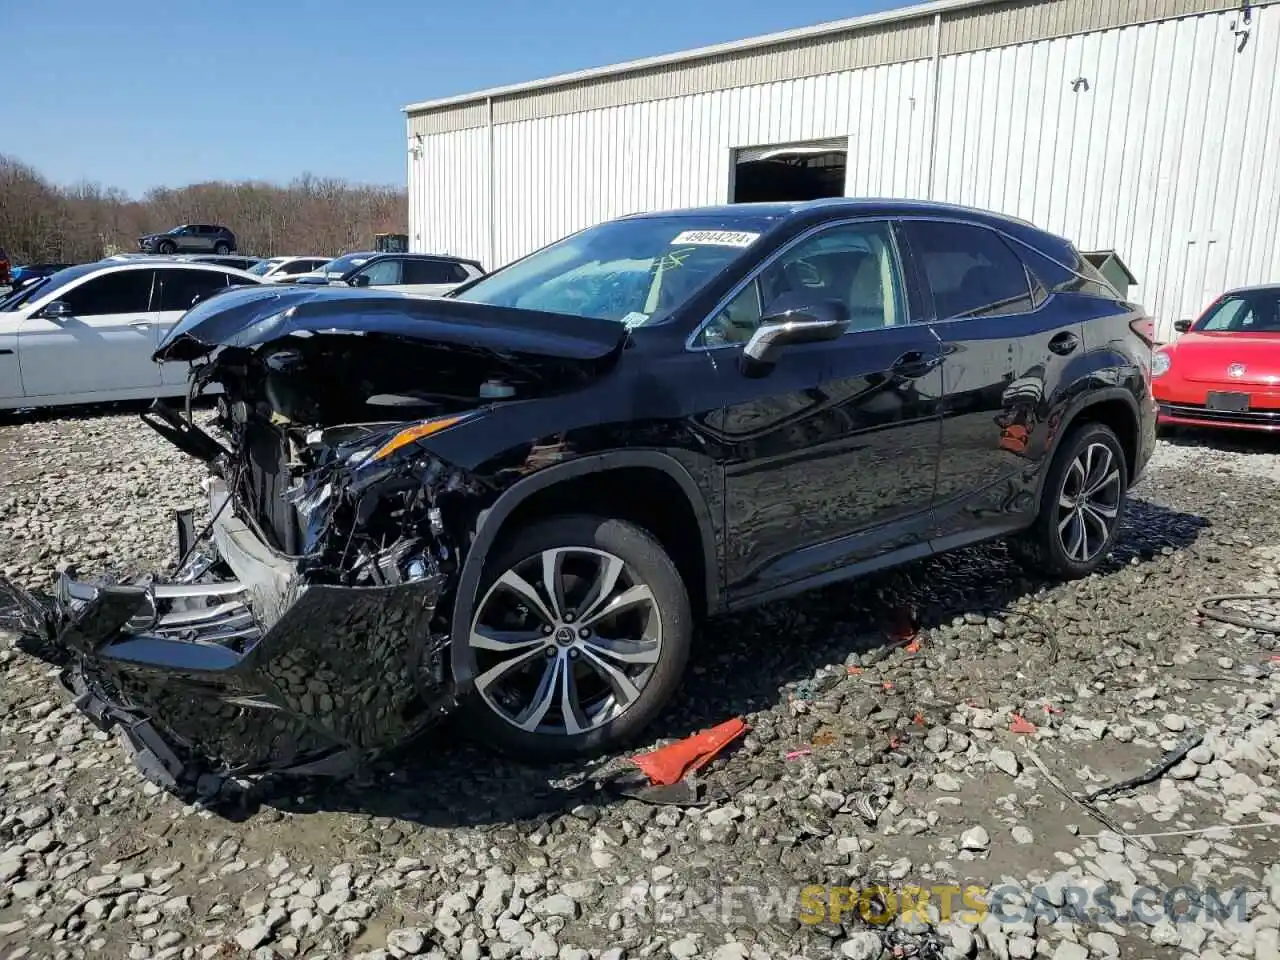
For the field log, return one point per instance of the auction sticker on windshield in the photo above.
(716, 238)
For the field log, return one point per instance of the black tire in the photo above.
(1041, 547)
(646, 558)
(222, 249)
(166, 247)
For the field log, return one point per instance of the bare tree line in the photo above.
(41, 222)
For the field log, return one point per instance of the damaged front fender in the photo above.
(344, 674)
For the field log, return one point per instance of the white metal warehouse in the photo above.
(1150, 127)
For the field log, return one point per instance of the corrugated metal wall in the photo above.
(1166, 152)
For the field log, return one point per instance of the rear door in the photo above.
(105, 344)
(829, 458)
(178, 289)
(1007, 346)
(433, 277)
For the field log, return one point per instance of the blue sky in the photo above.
(137, 94)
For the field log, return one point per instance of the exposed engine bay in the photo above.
(306, 628)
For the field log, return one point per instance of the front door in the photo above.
(830, 457)
(104, 345)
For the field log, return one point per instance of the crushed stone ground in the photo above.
(871, 760)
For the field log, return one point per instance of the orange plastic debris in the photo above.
(1021, 725)
(823, 738)
(854, 670)
(918, 719)
(914, 645)
(670, 764)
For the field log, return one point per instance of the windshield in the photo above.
(629, 271)
(49, 284)
(260, 268)
(344, 263)
(1255, 311)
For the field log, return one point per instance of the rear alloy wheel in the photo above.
(580, 636)
(166, 246)
(222, 249)
(1083, 503)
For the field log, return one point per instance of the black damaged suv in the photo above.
(520, 498)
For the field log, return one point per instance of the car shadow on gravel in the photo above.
(746, 664)
(1226, 441)
(91, 411)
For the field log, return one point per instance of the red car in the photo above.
(1224, 370)
(5, 279)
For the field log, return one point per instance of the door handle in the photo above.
(913, 364)
(140, 323)
(1064, 343)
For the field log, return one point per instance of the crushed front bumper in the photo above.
(211, 680)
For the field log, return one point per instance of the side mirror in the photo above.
(57, 310)
(784, 325)
(359, 280)
(1182, 326)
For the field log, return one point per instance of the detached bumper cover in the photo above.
(343, 675)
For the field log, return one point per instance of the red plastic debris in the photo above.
(887, 685)
(670, 764)
(797, 754)
(918, 719)
(1021, 725)
(894, 743)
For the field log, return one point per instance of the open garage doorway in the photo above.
(790, 171)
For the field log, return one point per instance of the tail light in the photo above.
(1145, 328)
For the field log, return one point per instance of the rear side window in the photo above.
(970, 269)
(433, 271)
(125, 291)
(296, 267)
(180, 289)
(1082, 276)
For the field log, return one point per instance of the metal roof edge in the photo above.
(912, 12)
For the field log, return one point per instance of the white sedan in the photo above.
(86, 334)
(283, 269)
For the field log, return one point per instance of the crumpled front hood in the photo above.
(250, 316)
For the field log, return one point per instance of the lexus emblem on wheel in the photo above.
(1235, 370)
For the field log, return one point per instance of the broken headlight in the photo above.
(415, 432)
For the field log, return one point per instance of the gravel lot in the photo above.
(870, 760)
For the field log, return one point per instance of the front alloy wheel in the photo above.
(579, 637)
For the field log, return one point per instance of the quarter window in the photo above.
(125, 291)
(854, 264)
(971, 270)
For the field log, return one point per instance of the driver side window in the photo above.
(852, 263)
(383, 273)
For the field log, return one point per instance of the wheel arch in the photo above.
(1113, 407)
(563, 484)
